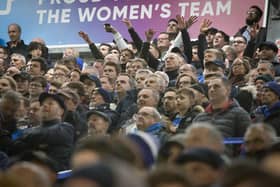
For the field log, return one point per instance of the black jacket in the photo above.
(55, 138)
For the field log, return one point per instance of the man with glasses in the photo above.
(37, 86)
(239, 44)
(252, 31)
(148, 119)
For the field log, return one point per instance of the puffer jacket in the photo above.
(231, 120)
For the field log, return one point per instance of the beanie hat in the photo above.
(93, 78)
(147, 145)
(105, 94)
(204, 155)
(265, 78)
(99, 173)
(273, 86)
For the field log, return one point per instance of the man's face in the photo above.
(14, 33)
(74, 76)
(17, 62)
(267, 54)
(264, 69)
(171, 62)
(185, 82)
(219, 40)
(135, 66)
(128, 68)
(269, 97)
(34, 113)
(252, 16)
(97, 125)
(36, 53)
(125, 56)
(145, 98)
(96, 99)
(209, 56)
(140, 80)
(8, 109)
(110, 72)
(3, 54)
(51, 110)
(172, 27)
(152, 82)
(34, 68)
(35, 88)
(217, 91)
(60, 76)
(145, 118)
(255, 139)
(122, 84)
(239, 44)
(163, 41)
(183, 102)
(210, 38)
(4, 86)
(89, 86)
(186, 68)
(22, 85)
(169, 101)
(106, 85)
(104, 49)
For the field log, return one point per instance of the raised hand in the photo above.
(181, 22)
(204, 26)
(191, 21)
(85, 37)
(127, 22)
(149, 34)
(110, 29)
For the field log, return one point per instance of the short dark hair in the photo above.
(41, 79)
(259, 11)
(42, 62)
(116, 66)
(17, 25)
(226, 36)
(77, 85)
(167, 175)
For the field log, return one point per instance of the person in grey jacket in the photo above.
(225, 113)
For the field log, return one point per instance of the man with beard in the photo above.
(252, 31)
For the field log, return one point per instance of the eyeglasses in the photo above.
(251, 12)
(36, 85)
(238, 42)
(144, 114)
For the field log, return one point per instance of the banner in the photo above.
(59, 21)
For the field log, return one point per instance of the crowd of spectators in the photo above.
(153, 112)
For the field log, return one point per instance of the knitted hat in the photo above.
(99, 173)
(105, 94)
(55, 97)
(147, 145)
(204, 155)
(100, 114)
(273, 86)
(92, 78)
(270, 45)
(265, 78)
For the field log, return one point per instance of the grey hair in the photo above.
(271, 132)
(214, 134)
